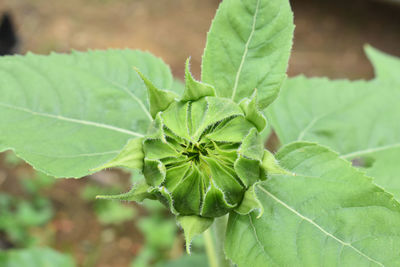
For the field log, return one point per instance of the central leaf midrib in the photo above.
(94, 154)
(282, 203)
(367, 151)
(139, 101)
(246, 50)
(72, 120)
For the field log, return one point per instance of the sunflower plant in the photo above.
(328, 197)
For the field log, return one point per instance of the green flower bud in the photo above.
(202, 156)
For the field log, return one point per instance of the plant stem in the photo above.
(214, 239)
(211, 253)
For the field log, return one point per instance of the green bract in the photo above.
(202, 156)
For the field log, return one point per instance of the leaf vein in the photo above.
(78, 121)
(369, 151)
(317, 226)
(308, 127)
(77, 155)
(246, 50)
(258, 240)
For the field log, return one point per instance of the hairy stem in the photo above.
(214, 239)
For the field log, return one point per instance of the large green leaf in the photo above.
(328, 214)
(384, 163)
(248, 47)
(34, 257)
(387, 67)
(356, 119)
(68, 113)
(347, 116)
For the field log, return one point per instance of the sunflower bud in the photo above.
(202, 155)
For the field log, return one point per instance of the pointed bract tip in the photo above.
(192, 226)
(159, 99)
(195, 89)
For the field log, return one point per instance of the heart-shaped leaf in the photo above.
(68, 113)
(327, 214)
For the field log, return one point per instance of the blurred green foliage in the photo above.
(192, 260)
(160, 234)
(108, 212)
(162, 241)
(19, 214)
(34, 257)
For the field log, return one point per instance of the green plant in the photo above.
(201, 151)
(159, 236)
(108, 212)
(34, 257)
(19, 215)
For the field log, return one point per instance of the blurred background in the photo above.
(59, 220)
